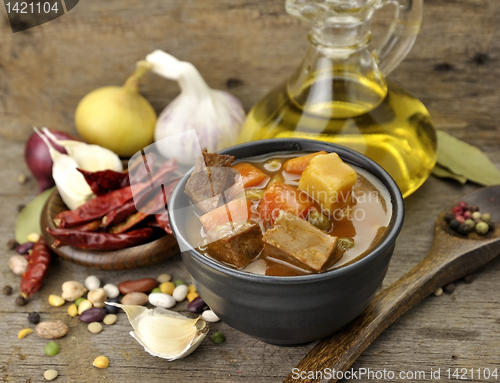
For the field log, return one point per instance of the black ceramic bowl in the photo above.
(289, 310)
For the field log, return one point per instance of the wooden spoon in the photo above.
(451, 257)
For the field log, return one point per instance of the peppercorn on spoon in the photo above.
(451, 257)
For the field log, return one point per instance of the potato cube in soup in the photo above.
(329, 181)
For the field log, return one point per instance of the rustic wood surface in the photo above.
(453, 69)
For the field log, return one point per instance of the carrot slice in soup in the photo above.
(299, 164)
(281, 196)
(250, 175)
(238, 210)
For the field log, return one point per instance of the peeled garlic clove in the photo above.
(164, 333)
(93, 158)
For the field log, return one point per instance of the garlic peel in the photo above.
(215, 115)
(164, 333)
(92, 158)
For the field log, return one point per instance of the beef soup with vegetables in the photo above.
(285, 215)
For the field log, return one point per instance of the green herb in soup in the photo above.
(286, 215)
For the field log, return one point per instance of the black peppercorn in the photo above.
(12, 244)
(469, 279)
(454, 224)
(464, 229)
(449, 217)
(20, 300)
(7, 290)
(34, 317)
(473, 208)
(449, 289)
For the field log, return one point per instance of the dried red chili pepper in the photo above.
(105, 181)
(164, 222)
(100, 241)
(39, 261)
(119, 214)
(97, 207)
(91, 226)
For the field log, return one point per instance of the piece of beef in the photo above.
(293, 238)
(235, 243)
(211, 177)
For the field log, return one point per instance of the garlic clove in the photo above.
(92, 158)
(164, 333)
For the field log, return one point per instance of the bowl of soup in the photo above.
(286, 240)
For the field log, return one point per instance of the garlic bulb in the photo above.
(164, 333)
(92, 158)
(216, 116)
(70, 183)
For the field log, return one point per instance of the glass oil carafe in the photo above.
(340, 94)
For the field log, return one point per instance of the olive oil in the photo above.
(377, 118)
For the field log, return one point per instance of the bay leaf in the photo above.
(28, 220)
(441, 172)
(463, 159)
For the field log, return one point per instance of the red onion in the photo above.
(37, 157)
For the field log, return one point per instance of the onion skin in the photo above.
(38, 160)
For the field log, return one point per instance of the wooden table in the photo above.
(453, 68)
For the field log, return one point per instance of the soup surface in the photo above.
(302, 231)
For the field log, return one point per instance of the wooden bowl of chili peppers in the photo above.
(108, 232)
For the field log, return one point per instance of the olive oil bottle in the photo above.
(339, 93)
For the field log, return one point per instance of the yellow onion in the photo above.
(118, 118)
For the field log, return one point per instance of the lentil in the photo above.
(56, 300)
(482, 228)
(218, 337)
(51, 349)
(101, 362)
(34, 317)
(167, 288)
(72, 310)
(94, 314)
(84, 305)
(92, 282)
(179, 282)
(180, 293)
(111, 290)
(50, 374)
(95, 327)
(450, 288)
(51, 330)
(164, 278)
(210, 316)
(20, 301)
(110, 319)
(24, 332)
(7, 290)
(191, 296)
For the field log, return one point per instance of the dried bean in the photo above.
(33, 237)
(95, 327)
(111, 290)
(139, 299)
(192, 296)
(144, 285)
(72, 310)
(210, 316)
(164, 278)
(56, 300)
(24, 248)
(101, 362)
(51, 330)
(50, 374)
(162, 300)
(84, 306)
(196, 306)
(179, 282)
(218, 337)
(94, 314)
(92, 282)
(167, 288)
(112, 309)
(51, 349)
(180, 293)
(110, 319)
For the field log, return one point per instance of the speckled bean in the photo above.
(144, 285)
(94, 314)
(139, 299)
(51, 330)
(162, 300)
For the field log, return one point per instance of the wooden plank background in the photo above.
(45, 71)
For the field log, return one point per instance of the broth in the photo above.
(365, 222)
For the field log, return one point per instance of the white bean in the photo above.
(92, 282)
(162, 300)
(164, 278)
(210, 316)
(111, 290)
(180, 293)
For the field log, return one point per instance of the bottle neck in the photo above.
(339, 78)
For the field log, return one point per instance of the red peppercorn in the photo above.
(460, 218)
(457, 210)
(467, 214)
(464, 205)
